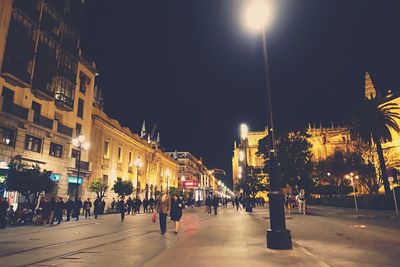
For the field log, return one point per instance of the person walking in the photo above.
(69, 206)
(3, 212)
(97, 207)
(129, 205)
(145, 205)
(77, 208)
(52, 207)
(163, 208)
(103, 206)
(301, 200)
(122, 207)
(215, 203)
(113, 206)
(87, 205)
(138, 204)
(60, 210)
(176, 211)
(151, 204)
(208, 204)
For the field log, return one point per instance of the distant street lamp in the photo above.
(352, 177)
(257, 17)
(79, 143)
(138, 164)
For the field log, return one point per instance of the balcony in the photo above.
(15, 110)
(61, 128)
(64, 102)
(43, 121)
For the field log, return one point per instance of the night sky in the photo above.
(192, 68)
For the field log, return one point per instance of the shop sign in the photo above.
(73, 180)
(55, 177)
(190, 183)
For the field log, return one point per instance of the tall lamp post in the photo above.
(257, 16)
(138, 165)
(82, 145)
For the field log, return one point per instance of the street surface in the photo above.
(326, 237)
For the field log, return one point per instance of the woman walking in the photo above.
(176, 211)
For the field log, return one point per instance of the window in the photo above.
(80, 108)
(105, 179)
(33, 143)
(75, 153)
(106, 152)
(78, 129)
(84, 82)
(7, 136)
(119, 154)
(56, 150)
(130, 158)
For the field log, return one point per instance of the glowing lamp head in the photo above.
(258, 14)
(81, 138)
(183, 178)
(86, 145)
(138, 162)
(244, 130)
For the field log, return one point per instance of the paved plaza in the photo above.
(326, 237)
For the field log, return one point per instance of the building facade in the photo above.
(245, 155)
(119, 153)
(46, 88)
(194, 175)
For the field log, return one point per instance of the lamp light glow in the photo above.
(258, 14)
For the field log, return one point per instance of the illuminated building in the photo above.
(115, 154)
(245, 155)
(46, 88)
(193, 175)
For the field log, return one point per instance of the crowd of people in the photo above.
(48, 211)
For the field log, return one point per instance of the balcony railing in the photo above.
(15, 110)
(43, 121)
(63, 101)
(61, 128)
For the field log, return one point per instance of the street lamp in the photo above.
(79, 143)
(351, 176)
(138, 164)
(257, 17)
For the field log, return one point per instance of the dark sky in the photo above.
(190, 66)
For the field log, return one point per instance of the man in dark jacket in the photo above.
(122, 208)
(3, 212)
(97, 207)
(87, 205)
(69, 206)
(60, 210)
(151, 203)
(215, 203)
(52, 207)
(77, 208)
(145, 205)
(208, 204)
(129, 204)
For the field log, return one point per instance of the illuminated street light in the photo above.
(241, 155)
(244, 130)
(258, 15)
(138, 164)
(79, 142)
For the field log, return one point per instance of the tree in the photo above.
(122, 188)
(294, 158)
(253, 184)
(99, 188)
(372, 124)
(366, 168)
(174, 190)
(28, 180)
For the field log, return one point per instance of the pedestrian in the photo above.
(87, 205)
(122, 207)
(69, 206)
(163, 208)
(176, 211)
(3, 212)
(77, 208)
(151, 204)
(215, 203)
(61, 208)
(113, 206)
(208, 204)
(301, 200)
(46, 211)
(129, 205)
(52, 207)
(145, 205)
(138, 204)
(103, 206)
(97, 207)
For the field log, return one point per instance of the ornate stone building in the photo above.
(117, 153)
(46, 88)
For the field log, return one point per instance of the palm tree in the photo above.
(372, 124)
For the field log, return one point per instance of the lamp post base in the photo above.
(279, 239)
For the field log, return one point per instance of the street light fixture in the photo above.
(257, 17)
(80, 143)
(138, 164)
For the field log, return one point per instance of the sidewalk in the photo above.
(351, 212)
(232, 239)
